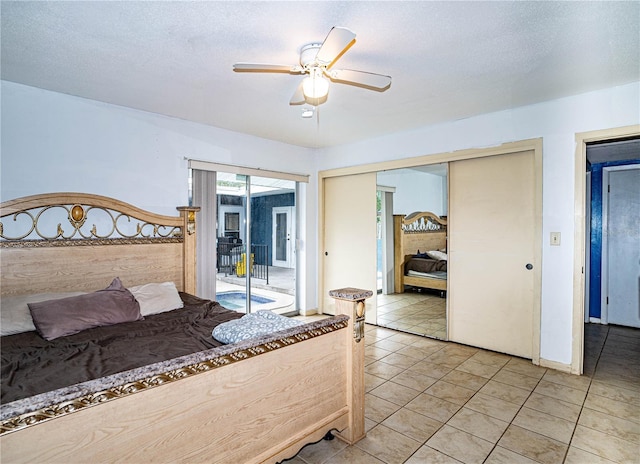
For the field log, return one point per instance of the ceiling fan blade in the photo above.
(373, 81)
(260, 67)
(298, 96)
(337, 42)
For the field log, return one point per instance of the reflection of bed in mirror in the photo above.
(420, 256)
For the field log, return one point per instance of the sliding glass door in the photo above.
(255, 252)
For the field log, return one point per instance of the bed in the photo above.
(257, 400)
(420, 259)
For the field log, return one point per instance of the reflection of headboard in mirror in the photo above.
(419, 231)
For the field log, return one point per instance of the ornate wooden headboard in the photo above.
(419, 231)
(62, 242)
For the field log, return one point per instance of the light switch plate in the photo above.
(555, 238)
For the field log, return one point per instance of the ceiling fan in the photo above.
(316, 61)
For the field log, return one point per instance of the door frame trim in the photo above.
(534, 145)
(579, 239)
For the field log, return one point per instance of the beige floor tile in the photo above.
(378, 409)
(428, 342)
(611, 425)
(371, 381)
(388, 445)
(450, 392)
(322, 451)
(456, 349)
(464, 379)
(494, 407)
(444, 358)
(613, 407)
(614, 393)
(524, 366)
(553, 406)
(490, 358)
(433, 407)
(460, 445)
(416, 352)
(568, 380)
(353, 455)
(382, 369)
(578, 456)
(369, 424)
(545, 424)
(414, 380)
(428, 455)
(505, 392)
(390, 345)
(395, 393)
(479, 369)
(429, 369)
(501, 455)
(376, 352)
(412, 424)
(399, 360)
(554, 390)
(407, 339)
(515, 379)
(532, 445)
(478, 424)
(604, 445)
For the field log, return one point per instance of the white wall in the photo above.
(53, 142)
(415, 191)
(556, 122)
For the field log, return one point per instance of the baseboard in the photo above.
(308, 312)
(558, 366)
(596, 320)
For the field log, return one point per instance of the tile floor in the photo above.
(419, 313)
(430, 401)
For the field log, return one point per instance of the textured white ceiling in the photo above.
(448, 60)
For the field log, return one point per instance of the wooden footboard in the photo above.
(260, 409)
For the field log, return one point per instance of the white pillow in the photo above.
(15, 316)
(157, 298)
(439, 255)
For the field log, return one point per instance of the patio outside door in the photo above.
(283, 236)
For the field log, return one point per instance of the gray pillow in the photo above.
(67, 316)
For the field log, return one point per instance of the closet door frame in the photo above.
(534, 145)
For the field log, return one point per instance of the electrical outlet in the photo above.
(555, 238)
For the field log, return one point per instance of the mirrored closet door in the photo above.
(412, 205)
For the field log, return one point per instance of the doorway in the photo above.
(236, 235)
(612, 253)
(283, 230)
(592, 148)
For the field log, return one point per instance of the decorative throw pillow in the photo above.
(157, 298)
(14, 311)
(67, 316)
(252, 325)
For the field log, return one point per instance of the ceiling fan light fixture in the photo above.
(315, 86)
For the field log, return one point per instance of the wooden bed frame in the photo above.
(260, 401)
(420, 231)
